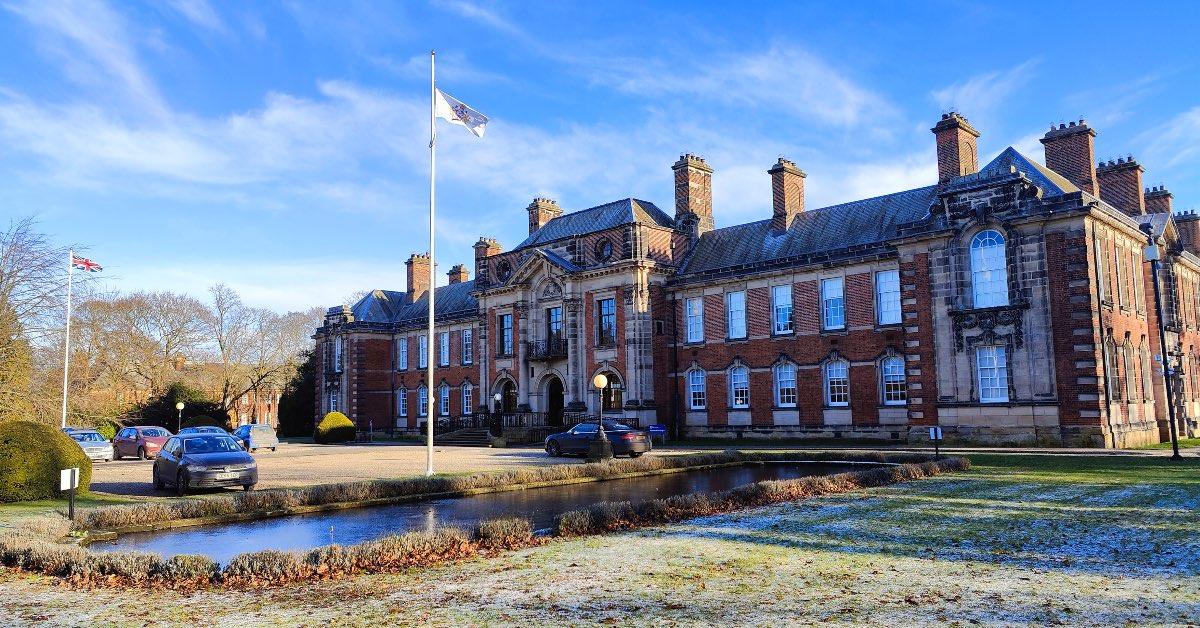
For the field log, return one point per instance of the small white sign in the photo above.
(935, 433)
(68, 479)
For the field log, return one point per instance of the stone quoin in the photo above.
(1008, 304)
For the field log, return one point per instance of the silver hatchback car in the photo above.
(93, 444)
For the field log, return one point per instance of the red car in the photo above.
(143, 442)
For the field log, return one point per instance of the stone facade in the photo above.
(1011, 303)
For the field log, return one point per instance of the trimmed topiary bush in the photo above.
(31, 455)
(335, 428)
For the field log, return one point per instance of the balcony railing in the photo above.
(549, 349)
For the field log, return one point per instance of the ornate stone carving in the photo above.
(551, 290)
(987, 320)
(574, 304)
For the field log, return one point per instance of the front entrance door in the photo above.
(554, 401)
(508, 397)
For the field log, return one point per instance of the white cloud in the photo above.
(451, 68)
(481, 14)
(979, 96)
(1174, 143)
(200, 13)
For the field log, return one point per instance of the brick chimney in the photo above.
(1121, 185)
(787, 194)
(957, 153)
(418, 276)
(1187, 224)
(693, 195)
(458, 273)
(484, 248)
(1158, 200)
(1071, 152)
(542, 211)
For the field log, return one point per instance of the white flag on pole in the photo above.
(455, 111)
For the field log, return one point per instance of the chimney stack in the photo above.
(693, 195)
(458, 273)
(1158, 200)
(418, 276)
(1187, 224)
(484, 248)
(787, 194)
(957, 153)
(1071, 152)
(1121, 185)
(542, 211)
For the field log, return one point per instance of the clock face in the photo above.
(503, 270)
(604, 250)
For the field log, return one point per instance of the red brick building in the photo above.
(1011, 303)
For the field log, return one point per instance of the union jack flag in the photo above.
(83, 263)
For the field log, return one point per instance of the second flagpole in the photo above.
(67, 339)
(429, 414)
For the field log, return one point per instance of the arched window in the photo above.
(895, 389)
(1112, 366)
(989, 269)
(1147, 381)
(785, 385)
(444, 400)
(422, 401)
(739, 386)
(697, 391)
(402, 402)
(1130, 370)
(468, 392)
(837, 383)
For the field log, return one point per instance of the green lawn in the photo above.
(10, 513)
(1081, 540)
(1184, 443)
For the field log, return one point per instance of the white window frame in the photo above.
(697, 389)
(467, 393)
(694, 315)
(402, 401)
(402, 354)
(781, 310)
(422, 400)
(739, 387)
(989, 269)
(334, 400)
(444, 348)
(991, 373)
(893, 381)
(887, 297)
(833, 303)
(468, 345)
(735, 314)
(422, 351)
(444, 400)
(785, 385)
(837, 383)
(506, 333)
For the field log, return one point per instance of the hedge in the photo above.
(31, 456)
(335, 428)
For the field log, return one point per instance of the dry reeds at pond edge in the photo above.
(32, 546)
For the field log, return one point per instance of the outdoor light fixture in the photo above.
(179, 420)
(600, 449)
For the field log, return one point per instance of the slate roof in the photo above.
(862, 225)
(390, 306)
(623, 212)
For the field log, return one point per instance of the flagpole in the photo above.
(67, 339)
(429, 413)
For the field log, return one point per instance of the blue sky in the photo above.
(281, 147)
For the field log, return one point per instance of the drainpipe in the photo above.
(675, 403)
(1153, 254)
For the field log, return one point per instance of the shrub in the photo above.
(31, 456)
(189, 567)
(335, 428)
(107, 427)
(505, 532)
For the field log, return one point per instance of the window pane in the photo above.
(837, 383)
(444, 348)
(506, 335)
(887, 297)
(402, 354)
(739, 383)
(735, 307)
(781, 304)
(894, 389)
(695, 319)
(468, 346)
(606, 334)
(992, 370)
(696, 389)
(989, 274)
(422, 351)
(467, 405)
(402, 402)
(833, 311)
(785, 385)
(422, 401)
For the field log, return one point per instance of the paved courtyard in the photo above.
(302, 464)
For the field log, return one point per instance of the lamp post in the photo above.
(179, 419)
(600, 449)
(497, 428)
(1153, 254)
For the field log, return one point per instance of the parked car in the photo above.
(143, 441)
(255, 436)
(625, 440)
(68, 429)
(203, 461)
(93, 444)
(203, 429)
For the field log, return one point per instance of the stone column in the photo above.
(520, 368)
(576, 346)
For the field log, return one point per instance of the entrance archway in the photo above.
(554, 401)
(508, 396)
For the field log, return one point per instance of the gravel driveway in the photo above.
(301, 464)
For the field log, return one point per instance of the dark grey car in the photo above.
(625, 440)
(204, 461)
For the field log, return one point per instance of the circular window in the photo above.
(604, 250)
(503, 270)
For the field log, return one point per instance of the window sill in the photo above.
(843, 406)
(737, 408)
(783, 334)
(738, 339)
(884, 326)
